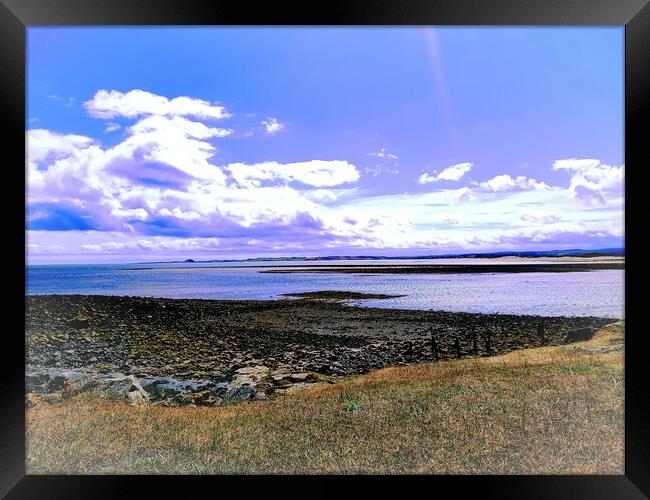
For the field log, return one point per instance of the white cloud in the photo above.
(464, 194)
(112, 103)
(162, 189)
(112, 127)
(178, 124)
(376, 170)
(592, 182)
(272, 126)
(321, 195)
(462, 218)
(575, 164)
(160, 175)
(42, 143)
(383, 153)
(506, 183)
(139, 214)
(176, 142)
(385, 163)
(180, 214)
(452, 173)
(317, 173)
(545, 218)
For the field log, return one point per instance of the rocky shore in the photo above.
(204, 352)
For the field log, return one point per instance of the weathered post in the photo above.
(488, 342)
(457, 346)
(410, 351)
(475, 343)
(434, 347)
(540, 332)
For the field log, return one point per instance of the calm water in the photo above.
(594, 293)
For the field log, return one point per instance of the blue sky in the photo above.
(235, 142)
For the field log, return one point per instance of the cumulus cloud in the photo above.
(112, 103)
(272, 126)
(178, 124)
(163, 143)
(317, 173)
(591, 181)
(42, 144)
(162, 189)
(452, 173)
(506, 183)
(161, 181)
(575, 164)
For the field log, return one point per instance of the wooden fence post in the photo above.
(434, 347)
(457, 346)
(475, 343)
(540, 332)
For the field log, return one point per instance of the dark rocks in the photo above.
(204, 352)
(259, 396)
(58, 383)
(37, 381)
(79, 323)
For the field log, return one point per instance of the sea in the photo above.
(587, 293)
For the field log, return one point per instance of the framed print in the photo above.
(351, 241)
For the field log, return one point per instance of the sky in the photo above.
(165, 143)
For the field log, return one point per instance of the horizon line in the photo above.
(500, 253)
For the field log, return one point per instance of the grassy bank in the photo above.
(550, 410)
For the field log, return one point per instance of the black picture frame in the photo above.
(17, 15)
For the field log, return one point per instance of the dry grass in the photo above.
(552, 410)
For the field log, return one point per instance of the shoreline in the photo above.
(454, 268)
(178, 352)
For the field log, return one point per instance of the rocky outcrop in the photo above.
(253, 383)
(67, 383)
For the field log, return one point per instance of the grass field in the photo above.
(549, 410)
